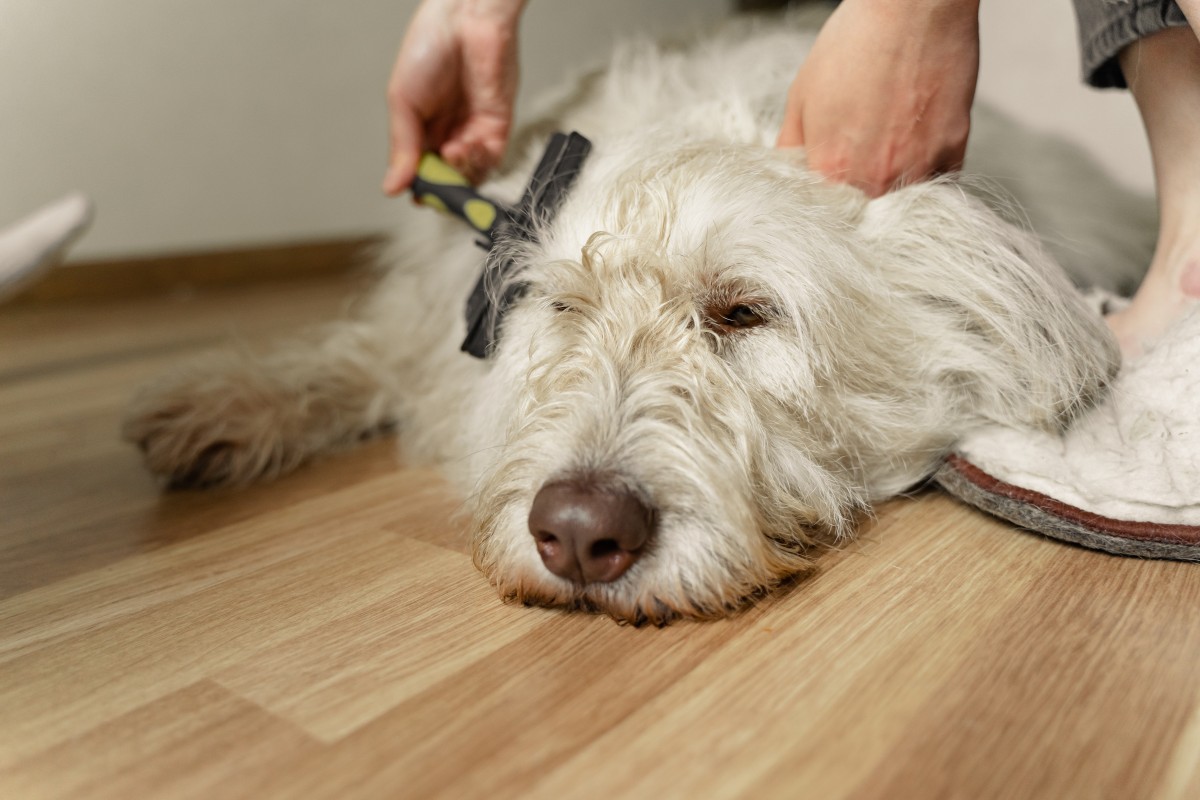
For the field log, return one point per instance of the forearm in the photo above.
(932, 12)
(925, 6)
(505, 11)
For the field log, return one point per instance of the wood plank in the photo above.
(496, 727)
(103, 514)
(184, 745)
(442, 618)
(1182, 778)
(987, 733)
(158, 621)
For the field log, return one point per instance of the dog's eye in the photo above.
(730, 317)
(742, 316)
(561, 307)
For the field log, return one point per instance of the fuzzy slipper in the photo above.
(30, 247)
(1125, 477)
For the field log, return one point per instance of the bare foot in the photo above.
(1171, 289)
(1163, 72)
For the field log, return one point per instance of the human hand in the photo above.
(452, 87)
(884, 97)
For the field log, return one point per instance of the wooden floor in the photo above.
(327, 636)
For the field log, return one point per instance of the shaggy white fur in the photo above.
(754, 354)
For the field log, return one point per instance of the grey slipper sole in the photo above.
(1050, 517)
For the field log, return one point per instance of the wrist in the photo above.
(505, 13)
(502, 12)
(944, 10)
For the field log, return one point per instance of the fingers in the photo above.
(478, 145)
(877, 160)
(468, 158)
(875, 176)
(878, 170)
(474, 147)
(883, 98)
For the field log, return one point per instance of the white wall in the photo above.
(205, 123)
(1030, 68)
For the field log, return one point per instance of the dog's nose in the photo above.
(588, 534)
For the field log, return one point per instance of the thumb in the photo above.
(791, 132)
(407, 137)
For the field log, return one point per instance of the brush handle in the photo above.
(439, 186)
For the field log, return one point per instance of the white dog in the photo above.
(718, 358)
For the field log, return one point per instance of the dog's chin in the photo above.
(623, 605)
(633, 599)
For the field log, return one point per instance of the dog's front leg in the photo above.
(232, 418)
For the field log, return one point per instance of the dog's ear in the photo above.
(1001, 319)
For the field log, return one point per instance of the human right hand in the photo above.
(453, 87)
(885, 95)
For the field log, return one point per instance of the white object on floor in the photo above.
(1135, 457)
(33, 245)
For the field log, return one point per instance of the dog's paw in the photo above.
(212, 425)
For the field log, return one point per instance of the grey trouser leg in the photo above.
(1107, 26)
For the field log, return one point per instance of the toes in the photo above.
(211, 466)
(201, 433)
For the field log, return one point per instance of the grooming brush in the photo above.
(439, 186)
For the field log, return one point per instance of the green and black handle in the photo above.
(438, 185)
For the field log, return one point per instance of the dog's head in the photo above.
(720, 359)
